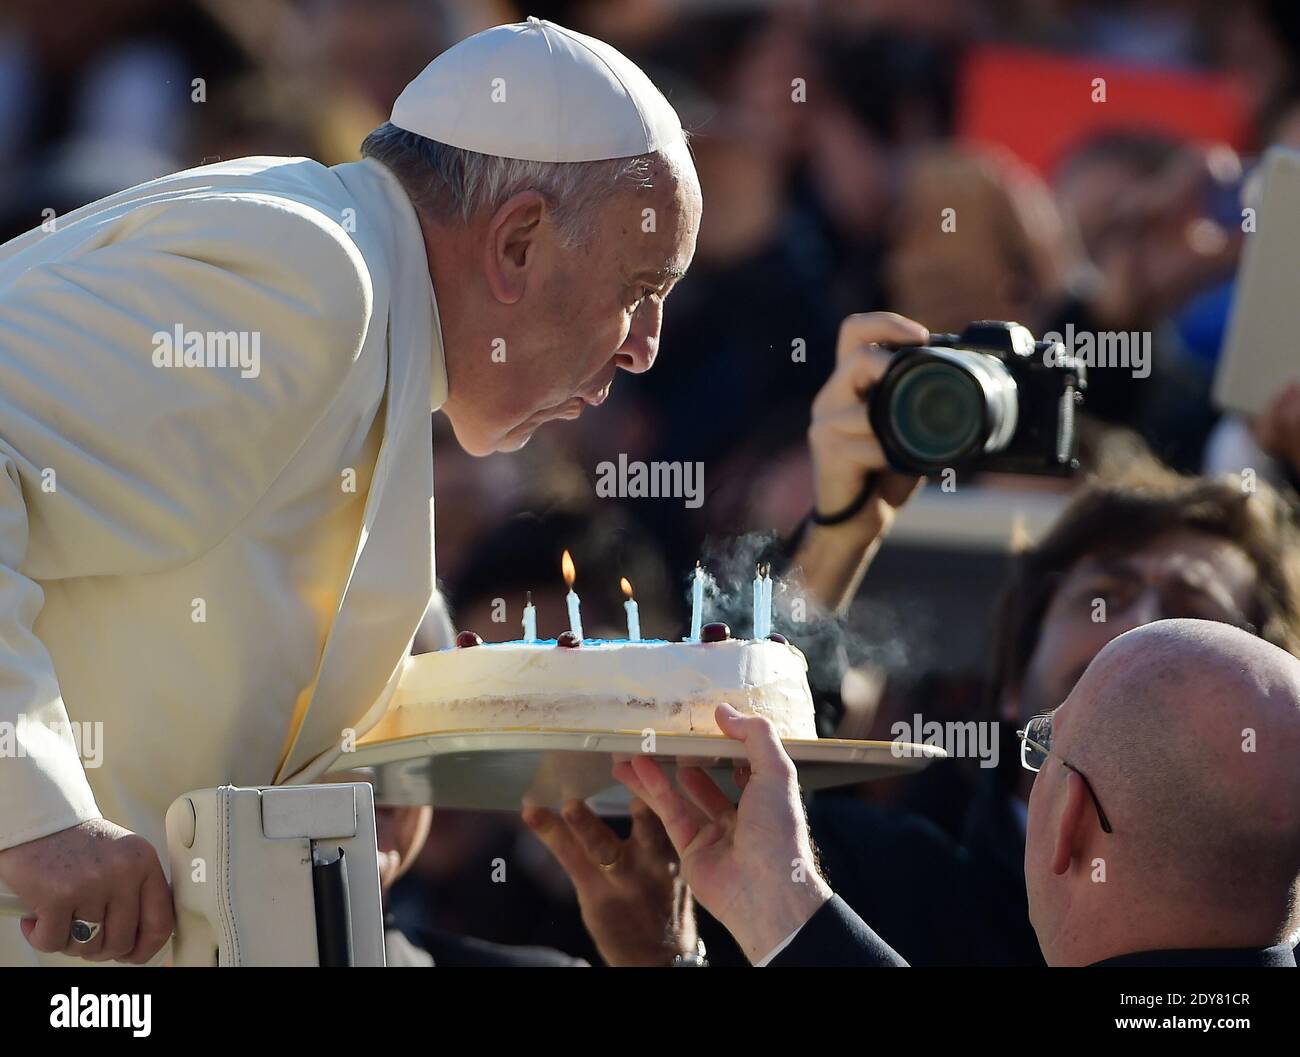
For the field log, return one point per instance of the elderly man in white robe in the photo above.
(215, 446)
(215, 456)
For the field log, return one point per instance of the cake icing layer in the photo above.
(669, 687)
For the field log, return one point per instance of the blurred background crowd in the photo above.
(829, 136)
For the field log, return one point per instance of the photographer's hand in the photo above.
(845, 451)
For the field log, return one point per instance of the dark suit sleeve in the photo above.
(835, 936)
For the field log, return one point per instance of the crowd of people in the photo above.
(814, 211)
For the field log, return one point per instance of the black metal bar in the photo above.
(333, 911)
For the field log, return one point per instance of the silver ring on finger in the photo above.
(84, 931)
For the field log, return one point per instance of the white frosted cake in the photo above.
(669, 687)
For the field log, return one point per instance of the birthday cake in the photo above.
(594, 684)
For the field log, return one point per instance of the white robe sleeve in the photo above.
(111, 465)
(42, 785)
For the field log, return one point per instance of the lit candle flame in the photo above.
(566, 564)
(626, 585)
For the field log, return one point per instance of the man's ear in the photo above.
(511, 247)
(411, 830)
(1070, 826)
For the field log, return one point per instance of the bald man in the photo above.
(1164, 825)
(1188, 732)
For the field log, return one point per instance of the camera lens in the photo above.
(937, 412)
(937, 407)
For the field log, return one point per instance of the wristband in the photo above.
(853, 509)
(791, 545)
(696, 959)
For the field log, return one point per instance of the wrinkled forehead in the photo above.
(677, 159)
(655, 229)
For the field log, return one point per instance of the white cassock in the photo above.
(183, 560)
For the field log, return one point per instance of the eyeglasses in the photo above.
(1036, 745)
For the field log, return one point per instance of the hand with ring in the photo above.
(84, 931)
(633, 901)
(94, 891)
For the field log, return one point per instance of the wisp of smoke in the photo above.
(870, 635)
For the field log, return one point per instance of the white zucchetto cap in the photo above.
(536, 91)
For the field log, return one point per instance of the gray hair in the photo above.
(449, 183)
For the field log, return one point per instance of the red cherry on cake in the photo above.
(716, 632)
(468, 638)
(568, 640)
(778, 637)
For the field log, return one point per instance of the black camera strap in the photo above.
(790, 545)
(852, 510)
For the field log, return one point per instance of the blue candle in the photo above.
(767, 600)
(575, 614)
(633, 615)
(697, 603)
(530, 619)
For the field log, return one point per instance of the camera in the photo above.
(990, 398)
